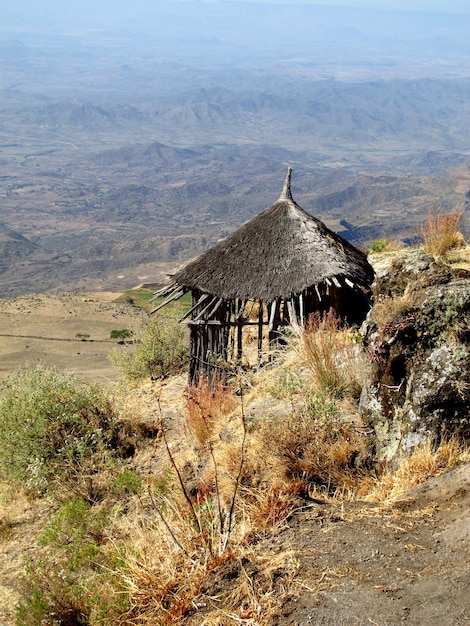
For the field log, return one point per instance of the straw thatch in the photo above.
(277, 254)
(275, 270)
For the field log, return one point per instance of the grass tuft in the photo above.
(425, 462)
(332, 356)
(441, 233)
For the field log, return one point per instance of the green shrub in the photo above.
(161, 352)
(128, 481)
(122, 335)
(71, 583)
(51, 425)
(379, 245)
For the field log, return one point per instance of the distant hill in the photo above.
(114, 219)
(108, 192)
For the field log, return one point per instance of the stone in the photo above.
(417, 336)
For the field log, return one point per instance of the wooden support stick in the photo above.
(272, 315)
(202, 299)
(206, 308)
(174, 296)
(260, 332)
(164, 291)
(293, 316)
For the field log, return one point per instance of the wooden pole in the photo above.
(260, 332)
(240, 335)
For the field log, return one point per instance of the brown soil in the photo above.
(406, 563)
(43, 329)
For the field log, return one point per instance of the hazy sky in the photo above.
(445, 6)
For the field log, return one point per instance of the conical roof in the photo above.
(277, 254)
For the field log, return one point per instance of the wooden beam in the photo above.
(216, 306)
(174, 296)
(301, 307)
(260, 332)
(241, 309)
(206, 308)
(164, 291)
(248, 314)
(272, 315)
(202, 299)
(293, 316)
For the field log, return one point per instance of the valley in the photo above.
(126, 150)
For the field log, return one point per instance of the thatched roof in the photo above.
(277, 254)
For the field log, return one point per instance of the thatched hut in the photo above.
(276, 269)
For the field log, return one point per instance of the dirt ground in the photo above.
(359, 563)
(406, 563)
(45, 329)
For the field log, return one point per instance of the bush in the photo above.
(441, 233)
(316, 446)
(70, 583)
(122, 335)
(379, 245)
(162, 351)
(51, 425)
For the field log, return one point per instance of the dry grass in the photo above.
(207, 406)
(193, 547)
(330, 352)
(328, 455)
(441, 233)
(459, 258)
(165, 586)
(424, 463)
(389, 309)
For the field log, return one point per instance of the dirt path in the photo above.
(406, 563)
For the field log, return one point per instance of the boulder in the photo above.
(417, 336)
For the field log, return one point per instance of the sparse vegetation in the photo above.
(53, 428)
(82, 336)
(425, 462)
(70, 583)
(183, 535)
(160, 352)
(121, 335)
(441, 233)
(379, 245)
(330, 352)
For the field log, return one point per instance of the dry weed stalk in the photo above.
(206, 405)
(441, 233)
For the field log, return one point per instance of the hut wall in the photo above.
(216, 325)
(209, 336)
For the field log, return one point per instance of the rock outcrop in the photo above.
(418, 338)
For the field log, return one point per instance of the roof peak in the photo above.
(286, 192)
